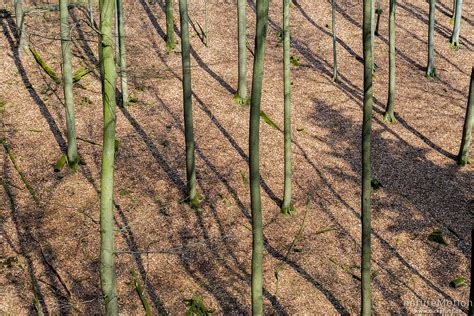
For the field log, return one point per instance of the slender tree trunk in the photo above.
(431, 70)
(389, 115)
(454, 12)
(287, 207)
(122, 52)
(241, 95)
(72, 156)
(20, 24)
(457, 24)
(107, 268)
(254, 145)
(366, 160)
(372, 31)
(91, 13)
(188, 106)
(170, 39)
(463, 156)
(379, 13)
(206, 25)
(334, 41)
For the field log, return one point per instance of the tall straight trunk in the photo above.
(91, 14)
(254, 155)
(72, 156)
(372, 30)
(241, 95)
(334, 41)
(188, 106)
(20, 23)
(366, 306)
(109, 76)
(457, 24)
(431, 70)
(122, 51)
(287, 206)
(379, 13)
(463, 156)
(389, 115)
(170, 39)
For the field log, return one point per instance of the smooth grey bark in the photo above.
(170, 38)
(241, 96)
(334, 41)
(122, 58)
(457, 24)
(72, 156)
(254, 157)
(109, 76)
(366, 297)
(287, 206)
(431, 70)
(463, 156)
(20, 24)
(192, 195)
(389, 115)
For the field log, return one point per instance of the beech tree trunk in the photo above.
(254, 155)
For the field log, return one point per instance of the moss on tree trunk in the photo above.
(107, 267)
(463, 156)
(72, 156)
(254, 144)
(366, 306)
(192, 196)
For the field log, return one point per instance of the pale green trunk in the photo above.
(372, 30)
(109, 76)
(188, 106)
(366, 306)
(242, 51)
(334, 41)
(389, 115)
(431, 70)
(20, 24)
(122, 52)
(254, 155)
(72, 156)
(463, 156)
(170, 39)
(457, 24)
(287, 203)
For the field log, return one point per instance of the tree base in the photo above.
(389, 117)
(241, 101)
(462, 161)
(195, 202)
(170, 46)
(62, 161)
(288, 210)
(431, 73)
(455, 45)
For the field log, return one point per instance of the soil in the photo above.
(51, 246)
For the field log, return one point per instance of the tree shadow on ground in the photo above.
(389, 174)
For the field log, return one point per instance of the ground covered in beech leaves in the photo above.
(49, 222)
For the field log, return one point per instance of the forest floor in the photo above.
(51, 246)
